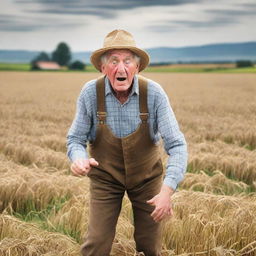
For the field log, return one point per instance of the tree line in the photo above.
(61, 55)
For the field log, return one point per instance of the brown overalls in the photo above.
(131, 164)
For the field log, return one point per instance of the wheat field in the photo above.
(44, 209)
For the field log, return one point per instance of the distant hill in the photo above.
(225, 52)
(205, 53)
(17, 56)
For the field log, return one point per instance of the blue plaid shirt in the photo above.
(123, 119)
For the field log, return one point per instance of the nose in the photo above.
(121, 67)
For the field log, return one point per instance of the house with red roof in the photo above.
(45, 65)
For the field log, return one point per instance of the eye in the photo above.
(128, 61)
(114, 62)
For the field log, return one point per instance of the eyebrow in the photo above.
(115, 57)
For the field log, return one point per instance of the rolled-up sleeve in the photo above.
(174, 142)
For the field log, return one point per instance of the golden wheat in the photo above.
(214, 211)
(205, 223)
(19, 239)
(217, 184)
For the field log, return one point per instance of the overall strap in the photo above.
(101, 109)
(143, 98)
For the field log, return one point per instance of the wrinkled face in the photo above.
(120, 69)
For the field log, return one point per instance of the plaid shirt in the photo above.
(123, 119)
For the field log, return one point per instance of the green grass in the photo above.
(91, 68)
(237, 70)
(28, 209)
(14, 66)
(26, 67)
(30, 214)
(157, 69)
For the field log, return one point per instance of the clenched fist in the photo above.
(83, 166)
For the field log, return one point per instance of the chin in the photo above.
(122, 87)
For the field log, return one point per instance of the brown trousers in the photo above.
(129, 164)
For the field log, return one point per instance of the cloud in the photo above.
(22, 24)
(78, 11)
(183, 25)
(15, 23)
(214, 22)
(101, 8)
(249, 5)
(205, 18)
(63, 10)
(233, 12)
(38, 15)
(162, 22)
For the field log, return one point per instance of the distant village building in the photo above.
(46, 65)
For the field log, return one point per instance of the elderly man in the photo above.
(122, 117)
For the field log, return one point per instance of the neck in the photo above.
(122, 96)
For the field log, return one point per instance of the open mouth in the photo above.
(121, 78)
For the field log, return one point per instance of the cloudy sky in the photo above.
(83, 24)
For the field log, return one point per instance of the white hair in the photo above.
(104, 57)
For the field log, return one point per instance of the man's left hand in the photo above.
(162, 203)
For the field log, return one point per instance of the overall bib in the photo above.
(130, 164)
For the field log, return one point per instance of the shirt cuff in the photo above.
(78, 155)
(170, 183)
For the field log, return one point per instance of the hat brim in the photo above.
(96, 55)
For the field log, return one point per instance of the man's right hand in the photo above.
(83, 166)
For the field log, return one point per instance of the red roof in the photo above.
(48, 65)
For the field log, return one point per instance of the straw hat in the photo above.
(119, 39)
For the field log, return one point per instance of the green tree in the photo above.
(244, 63)
(77, 65)
(42, 56)
(62, 54)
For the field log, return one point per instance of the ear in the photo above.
(137, 68)
(102, 68)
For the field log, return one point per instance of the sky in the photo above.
(83, 24)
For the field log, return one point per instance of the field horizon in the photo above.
(170, 68)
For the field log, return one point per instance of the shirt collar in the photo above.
(135, 87)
